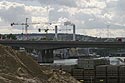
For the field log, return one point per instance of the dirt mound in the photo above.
(16, 67)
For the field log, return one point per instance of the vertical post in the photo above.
(51, 56)
(26, 29)
(56, 33)
(41, 53)
(74, 31)
(46, 56)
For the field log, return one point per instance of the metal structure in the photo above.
(56, 31)
(47, 29)
(65, 24)
(74, 30)
(56, 28)
(26, 26)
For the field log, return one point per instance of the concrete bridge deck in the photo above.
(61, 44)
(46, 47)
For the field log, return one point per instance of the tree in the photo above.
(11, 36)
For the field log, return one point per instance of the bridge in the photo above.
(46, 47)
(43, 45)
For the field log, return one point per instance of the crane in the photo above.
(56, 29)
(26, 26)
(45, 30)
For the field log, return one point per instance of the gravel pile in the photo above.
(19, 67)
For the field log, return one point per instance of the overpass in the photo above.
(43, 45)
(46, 47)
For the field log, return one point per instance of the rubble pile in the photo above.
(18, 67)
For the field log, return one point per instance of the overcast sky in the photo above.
(91, 17)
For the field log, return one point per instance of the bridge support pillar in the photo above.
(46, 56)
(29, 50)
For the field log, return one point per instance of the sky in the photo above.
(98, 18)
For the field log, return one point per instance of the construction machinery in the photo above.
(55, 28)
(26, 24)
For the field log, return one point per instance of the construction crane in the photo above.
(26, 26)
(46, 29)
(56, 29)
